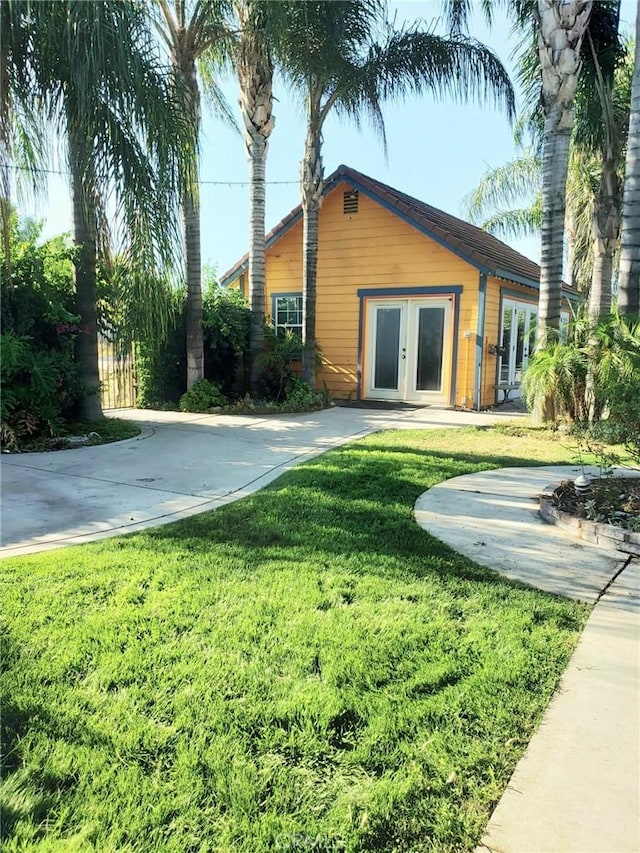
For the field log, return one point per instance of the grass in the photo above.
(103, 431)
(305, 669)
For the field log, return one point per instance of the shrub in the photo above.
(557, 375)
(39, 378)
(161, 367)
(617, 373)
(203, 397)
(226, 322)
(277, 363)
(556, 378)
(162, 362)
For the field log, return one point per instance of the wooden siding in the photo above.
(374, 249)
(371, 249)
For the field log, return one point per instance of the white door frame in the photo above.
(407, 349)
(515, 366)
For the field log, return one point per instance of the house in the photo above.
(413, 304)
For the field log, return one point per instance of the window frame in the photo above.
(296, 294)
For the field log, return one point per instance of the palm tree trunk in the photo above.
(85, 237)
(312, 186)
(605, 229)
(257, 154)
(193, 261)
(561, 28)
(555, 163)
(629, 275)
(255, 78)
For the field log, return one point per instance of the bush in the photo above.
(558, 374)
(203, 397)
(162, 363)
(161, 367)
(617, 360)
(276, 362)
(226, 322)
(556, 377)
(38, 377)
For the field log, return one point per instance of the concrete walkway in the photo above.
(577, 787)
(180, 465)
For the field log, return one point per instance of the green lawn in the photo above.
(305, 669)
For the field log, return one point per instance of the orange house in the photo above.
(413, 304)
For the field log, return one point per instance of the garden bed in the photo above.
(607, 515)
(79, 434)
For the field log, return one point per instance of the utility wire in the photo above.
(202, 183)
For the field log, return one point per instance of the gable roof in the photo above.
(483, 251)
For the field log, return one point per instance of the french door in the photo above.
(408, 342)
(516, 338)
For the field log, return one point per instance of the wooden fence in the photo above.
(117, 376)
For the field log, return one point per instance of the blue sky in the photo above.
(437, 151)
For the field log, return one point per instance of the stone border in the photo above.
(606, 535)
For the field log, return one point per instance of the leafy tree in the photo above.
(90, 73)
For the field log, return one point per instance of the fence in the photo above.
(117, 376)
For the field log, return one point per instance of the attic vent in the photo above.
(350, 204)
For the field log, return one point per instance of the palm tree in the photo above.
(195, 34)
(254, 67)
(507, 202)
(93, 72)
(561, 27)
(629, 275)
(599, 138)
(22, 143)
(333, 56)
(593, 191)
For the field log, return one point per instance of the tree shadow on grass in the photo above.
(344, 508)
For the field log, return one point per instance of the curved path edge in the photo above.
(577, 787)
(181, 464)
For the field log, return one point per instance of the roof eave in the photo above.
(518, 279)
(280, 232)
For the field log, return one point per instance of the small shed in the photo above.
(413, 304)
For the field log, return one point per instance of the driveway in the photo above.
(180, 465)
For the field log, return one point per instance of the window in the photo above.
(287, 313)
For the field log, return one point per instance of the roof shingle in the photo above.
(471, 243)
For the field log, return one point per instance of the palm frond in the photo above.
(504, 186)
(455, 68)
(515, 223)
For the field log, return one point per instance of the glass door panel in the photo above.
(387, 349)
(520, 317)
(505, 343)
(430, 344)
